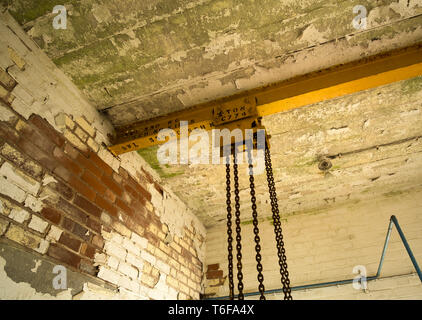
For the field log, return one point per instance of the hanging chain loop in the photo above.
(281, 252)
(229, 229)
(258, 257)
(238, 229)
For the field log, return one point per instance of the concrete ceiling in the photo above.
(138, 59)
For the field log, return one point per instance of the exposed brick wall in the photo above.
(65, 196)
(51, 186)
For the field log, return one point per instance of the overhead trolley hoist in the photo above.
(246, 147)
(243, 111)
(240, 114)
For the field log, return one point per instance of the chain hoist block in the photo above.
(234, 149)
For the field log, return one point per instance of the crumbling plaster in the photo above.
(139, 60)
(25, 275)
(44, 90)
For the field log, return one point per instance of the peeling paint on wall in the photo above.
(142, 60)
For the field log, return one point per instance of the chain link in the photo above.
(281, 252)
(258, 257)
(238, 229)
(229, 230)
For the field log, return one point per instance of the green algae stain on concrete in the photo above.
(29, 10)
(412, 86)
(155, 51)
(165, 171)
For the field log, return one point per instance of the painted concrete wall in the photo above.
(326, 246)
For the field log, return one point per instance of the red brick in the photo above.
(198, 271)
(94, 225)
(141, 179)
(90, 165)
(88, 267)
(138, 205)
(153, 219)
(140, 220)
(123, 173)
(215, 274)
(81, 232)
(152, 238)
(51, 214)
(47, 130)
(88, 206)
(108, 181)
(87, 250)
(197, 263)
(63, 173)
(31, 170)
(131, 192)
(109, 195)
(32, 134)
(72, 210)
(7, 81)
(185, 253)
(63, 255)
(62, 189)
(100, 163)
(136, 194)
(213, 267)
(76, 183)
(131, 224)
(47, 161)
(68, 224)
(158, 188)
(147, 176)
(11, 156)
(93, 182)
(141, 217)
(107, 206)
(98, 241)
(107, 228)
(8, 133)
(124, 207)
(142, 191)
(70, 242)
(126, 197)
(66, 161)
(117, 178)
(82, 188)
(71, 151)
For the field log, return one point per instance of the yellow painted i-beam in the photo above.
(300, 91)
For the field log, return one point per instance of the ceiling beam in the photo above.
(333, 82)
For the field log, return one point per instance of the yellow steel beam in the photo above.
(300, 91)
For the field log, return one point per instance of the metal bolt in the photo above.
(324, 165)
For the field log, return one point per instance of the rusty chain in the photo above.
(229, 230)
(281, 252)
(257, 239)
(238, 229)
